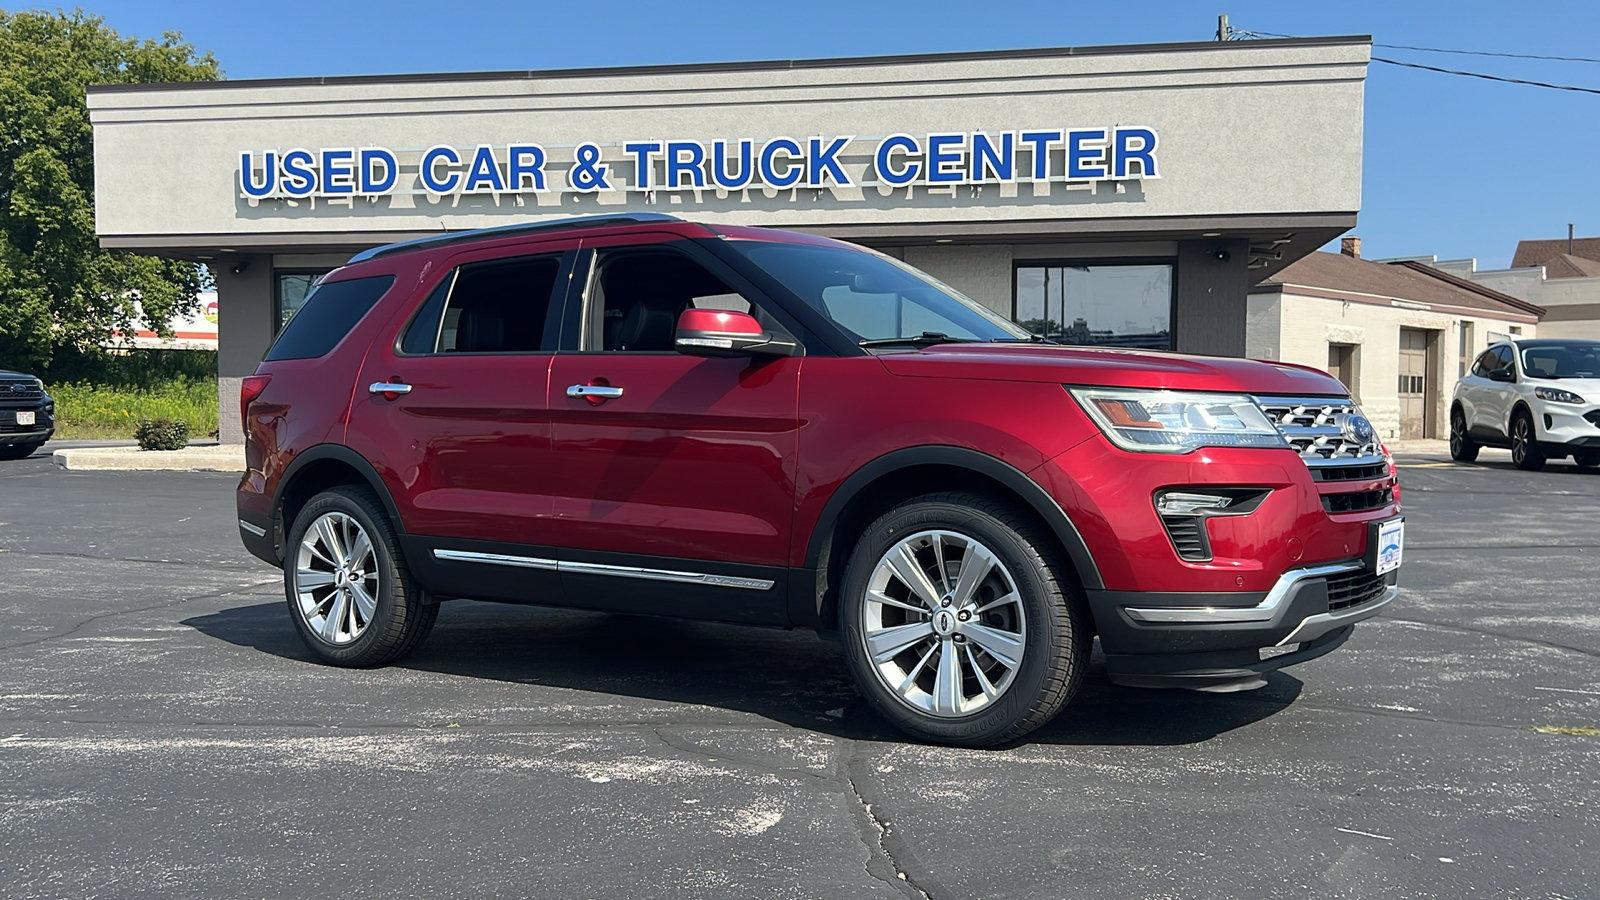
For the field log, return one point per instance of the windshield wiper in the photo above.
(925, 339)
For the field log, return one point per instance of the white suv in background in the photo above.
(1540, 397)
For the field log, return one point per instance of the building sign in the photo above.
(899, 160)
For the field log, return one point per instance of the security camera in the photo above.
(1219, 255)
(240, 266)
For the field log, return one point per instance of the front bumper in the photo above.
(1228, 641)
(43, 427)
(1565, 428)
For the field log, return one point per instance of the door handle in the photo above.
(594, 391)
(389, 389)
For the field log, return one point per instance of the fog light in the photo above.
(1179, 503)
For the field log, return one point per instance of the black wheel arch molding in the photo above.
(277, 529)
(814, 607)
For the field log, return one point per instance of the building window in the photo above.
(1108, 305)
(289, 292)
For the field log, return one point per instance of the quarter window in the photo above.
(326, 316)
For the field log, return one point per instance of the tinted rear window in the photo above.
(330, 311)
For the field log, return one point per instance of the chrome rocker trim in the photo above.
(1261, 612)
(583, 568)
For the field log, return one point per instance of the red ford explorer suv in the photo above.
(639, 414)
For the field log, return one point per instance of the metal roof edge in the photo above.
(751, 66)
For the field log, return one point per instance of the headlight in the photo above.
(1177, 421)
(1556, 395)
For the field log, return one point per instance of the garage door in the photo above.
(1413, 382)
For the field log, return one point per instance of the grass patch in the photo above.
(86, 410)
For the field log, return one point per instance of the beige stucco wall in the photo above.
(1244, 129)
(1303, 327)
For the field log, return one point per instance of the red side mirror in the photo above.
(719, 332)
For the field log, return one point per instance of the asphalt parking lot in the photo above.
(163, 733)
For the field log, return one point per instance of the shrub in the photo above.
(162, 434)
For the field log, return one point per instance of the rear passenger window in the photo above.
(490, 307)
(328, 314)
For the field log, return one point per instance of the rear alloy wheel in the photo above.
(960, 624)
(350, 595)
(1462, 447)
(1525, 452)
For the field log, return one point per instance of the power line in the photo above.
(1586, 59)
(1410, 65)
(1543, 84)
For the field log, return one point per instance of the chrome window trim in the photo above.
(1261, 612)
(583, 568)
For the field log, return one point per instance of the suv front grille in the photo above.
(1357, 501)
(1364, 472)
(1311, 425)
(14, 389)
(1354, 589)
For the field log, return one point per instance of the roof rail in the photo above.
(437, 240)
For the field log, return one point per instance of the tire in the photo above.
(18, 451)
(1587, 460)
(324, 583)
(1462, 447)
(1045, 619)
(1525, 452)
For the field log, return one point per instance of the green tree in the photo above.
(59, 291)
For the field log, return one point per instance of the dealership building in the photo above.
(1115, 196)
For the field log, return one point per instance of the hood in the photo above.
(7, 373)
(1107, 367)
(1587, 388)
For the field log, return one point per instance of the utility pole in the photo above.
(1224, 31)
(1569, 237)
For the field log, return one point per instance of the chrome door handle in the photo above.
(388, 387)
(602, 391)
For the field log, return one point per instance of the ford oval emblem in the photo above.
(1355, 428)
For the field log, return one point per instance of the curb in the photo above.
(132, 459)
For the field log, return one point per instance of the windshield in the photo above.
(1579, 359)
(874, 297)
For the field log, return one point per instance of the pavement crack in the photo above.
(1593, 654)
(877, 834)
(128, 612)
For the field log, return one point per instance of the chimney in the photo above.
(1350, 246)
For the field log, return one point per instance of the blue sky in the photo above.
(1454, 166)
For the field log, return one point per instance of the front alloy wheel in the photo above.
(944, 624)
(1525, 453)
(962, 620)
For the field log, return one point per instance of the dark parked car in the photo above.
(645, 415)
(27, 415)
